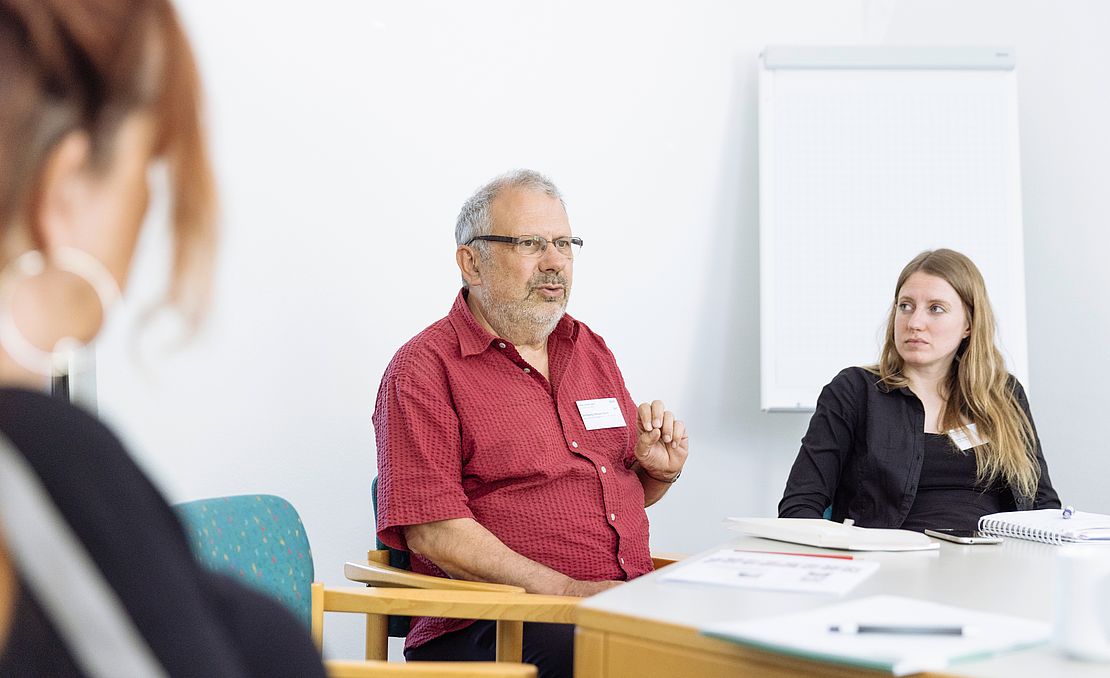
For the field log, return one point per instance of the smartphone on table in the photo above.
(963, 536)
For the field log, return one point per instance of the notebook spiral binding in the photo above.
(1004, 529)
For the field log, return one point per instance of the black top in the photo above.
(864, 451)
(947, 494)
(196, 622)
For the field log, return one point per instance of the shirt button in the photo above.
(612, 517)
(574, 444)
(527, 370)
(603, 470)
(500, 344)
(622, 560)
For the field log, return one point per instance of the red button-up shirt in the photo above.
(467, 429)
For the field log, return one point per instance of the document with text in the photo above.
(808, 573)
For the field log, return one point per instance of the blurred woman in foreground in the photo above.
(96, 577)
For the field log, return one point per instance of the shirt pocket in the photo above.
(613, 444)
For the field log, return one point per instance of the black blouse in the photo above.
(864, 451)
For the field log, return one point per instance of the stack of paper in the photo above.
(810, 634)
(830, 535)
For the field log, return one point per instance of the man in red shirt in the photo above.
(509, 449)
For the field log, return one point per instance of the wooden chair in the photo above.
(393, 591)
(373, 669)
(442, 603)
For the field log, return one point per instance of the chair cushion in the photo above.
(257, 539)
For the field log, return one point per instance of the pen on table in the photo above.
(786, 553)
(898, 629)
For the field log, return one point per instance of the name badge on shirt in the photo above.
(601, 413)
(968, 440)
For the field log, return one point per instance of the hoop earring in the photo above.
(30, 264)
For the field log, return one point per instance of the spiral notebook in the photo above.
(1049, 526)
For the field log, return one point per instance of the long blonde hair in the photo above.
(978, 388)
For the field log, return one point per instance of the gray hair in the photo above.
(474, 218)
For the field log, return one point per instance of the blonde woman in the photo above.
(935, 435)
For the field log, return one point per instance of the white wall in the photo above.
(347, 134)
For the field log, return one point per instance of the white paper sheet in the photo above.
(830, 535)
(774, 572)
(807, 634)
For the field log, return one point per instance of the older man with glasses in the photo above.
(509, 449)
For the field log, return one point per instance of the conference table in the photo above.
(649, 627)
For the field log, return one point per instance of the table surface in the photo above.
(1013, 578)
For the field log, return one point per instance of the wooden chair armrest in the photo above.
(385, 576)
(662, 559)
(527, 607)
(382, 669)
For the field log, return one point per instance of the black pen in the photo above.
(898, 629)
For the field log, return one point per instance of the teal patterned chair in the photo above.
(257, 539)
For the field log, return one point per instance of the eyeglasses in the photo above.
(531, 245)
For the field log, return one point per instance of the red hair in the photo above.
(86, 65)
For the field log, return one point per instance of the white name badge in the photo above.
(601, 413)
(968, 440)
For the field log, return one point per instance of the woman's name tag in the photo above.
(966, 438)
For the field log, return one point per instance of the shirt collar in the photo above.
(884, 388)
(474, 339)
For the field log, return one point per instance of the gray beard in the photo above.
(521, 322)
